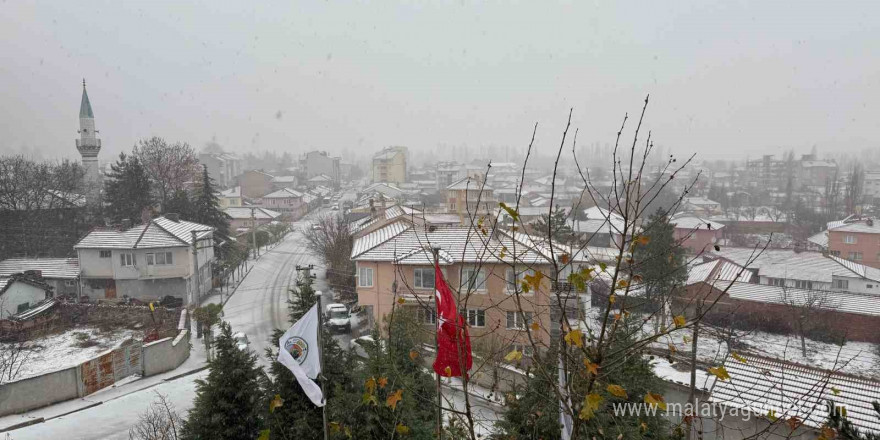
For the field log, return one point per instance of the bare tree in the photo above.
(160, 422)
(42, 207)
(855, 188)
(170, 166)
(331, 239)
(805, 307)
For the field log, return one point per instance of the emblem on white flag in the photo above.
(297, 350)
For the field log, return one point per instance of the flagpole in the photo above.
(321, 361)
(436, 252)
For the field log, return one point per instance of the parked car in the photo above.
(241, 341)
(338, 318)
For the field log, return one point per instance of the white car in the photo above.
(241, 341)
(338, 318)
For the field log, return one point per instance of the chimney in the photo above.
(173, 216)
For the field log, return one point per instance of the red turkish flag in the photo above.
(453, 341)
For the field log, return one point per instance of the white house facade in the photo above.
(148, 262)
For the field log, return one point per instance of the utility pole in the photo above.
(195, 274)
(318, 296)
(436, 252)
(307, 277)
(254, 232)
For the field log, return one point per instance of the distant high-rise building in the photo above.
(89, 146)
(389, 165)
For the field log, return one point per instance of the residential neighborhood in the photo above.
(480, 221)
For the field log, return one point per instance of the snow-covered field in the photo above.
(857, 358)
(62, 350)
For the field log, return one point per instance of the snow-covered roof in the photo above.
(461, 244)
(284, 179)
(845, 302)
(796, 265)
(598, 220)
(468, 183)
(283, 193)
(867, 226)
(158, 233)
(321, 178)
(240, 213)
(692, 223)
(231, 192)
(718, 270)
(820, 239)
(762, 385)
(700, 201)
(53, 268)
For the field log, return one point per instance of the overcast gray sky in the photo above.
(726, 78)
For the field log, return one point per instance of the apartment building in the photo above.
(470, 196)
(395, 269)
(222, 167)
(389, 165)
(856, 239)
(315, 163)
(148, 262)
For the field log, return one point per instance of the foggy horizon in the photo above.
(725, 81)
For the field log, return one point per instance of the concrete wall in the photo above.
(166, 354)
(39, 391)
(151, 289)
(58, 386)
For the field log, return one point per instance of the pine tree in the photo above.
(127, 191)
(229, 402)
(179, 203)
(562, 232)
(532, 411)
(206, 206)
(660, 261)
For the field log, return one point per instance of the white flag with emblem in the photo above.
(298, 351)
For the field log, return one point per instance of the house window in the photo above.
(841, 284)
(835, 253)
(800, 284)
(126, 259)
(151, 259)
(473, 279)
(870, 286)
(104, 254)
(426, 316)
(776, 282)
(70, 283)
(515, 278)
(849, 239)
(854, 256)
(515, 320)
(423, 278)
(476, 317)
(163, 258)
(365, 277)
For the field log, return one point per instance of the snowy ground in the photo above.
(857, 358)
(73, 347)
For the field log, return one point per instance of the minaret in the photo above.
(89, 145)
